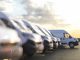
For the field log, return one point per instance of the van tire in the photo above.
(46, 47)
(54, 45)
(71, 45)
(29, 48)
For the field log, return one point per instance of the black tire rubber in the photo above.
(54, 45)
(46, 47)
(59, 45)
(29, 48)
(71, 45)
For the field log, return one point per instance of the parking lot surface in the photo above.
(59, 54)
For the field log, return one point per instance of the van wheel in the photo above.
(29, 48)
(54, 45)
(71, 45)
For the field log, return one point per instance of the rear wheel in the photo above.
(71, 45)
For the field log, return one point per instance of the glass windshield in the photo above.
(22, 27)
(37, 30)
(48, 32)
(19, 24)
(43, 31)
(28, 25)
(32, 27)
(2, 23)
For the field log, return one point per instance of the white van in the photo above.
(31, 43)
(47, 41)
(66, 38)
(10, 44)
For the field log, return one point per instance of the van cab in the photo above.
(48, 44)
(10, 44)
(32, 43)
(34, 37)
(55, 39)
(50, 41)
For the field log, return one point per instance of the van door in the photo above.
(65, 38)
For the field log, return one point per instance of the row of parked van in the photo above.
(19, 37)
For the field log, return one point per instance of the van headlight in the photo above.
(9, 44)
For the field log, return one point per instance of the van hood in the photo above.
(8, 35)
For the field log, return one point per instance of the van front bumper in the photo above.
(39, 47)
(12, 52)
(76, 43)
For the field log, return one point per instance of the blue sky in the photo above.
(14, 7)
(66, 10)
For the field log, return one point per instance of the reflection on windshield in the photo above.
(2, 23)
(37, 30)
(22, 26)
(48, 32)
(43, 31)
(19, 24)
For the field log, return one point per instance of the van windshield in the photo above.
(48, 32)
(2, 23)
(37, 30)
(22, 27)
(32, 27)
(42, 30)
(19, 24)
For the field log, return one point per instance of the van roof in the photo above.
(58, 33)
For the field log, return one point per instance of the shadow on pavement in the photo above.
(50, 55)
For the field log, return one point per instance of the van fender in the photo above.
(71, 42)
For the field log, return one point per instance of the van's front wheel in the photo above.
(29, 48)
(71, 45)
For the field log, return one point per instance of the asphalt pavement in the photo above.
(58, 54)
